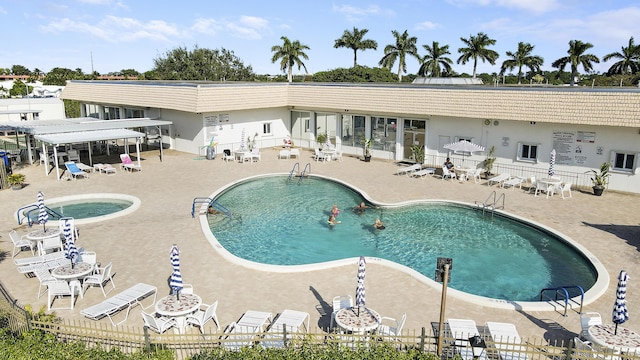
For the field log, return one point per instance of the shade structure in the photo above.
(552, 162)
(464, 147)
(43, 216)
(70, 250)
(175, 282)
(360, 300)
(620, 312)
(243, 140)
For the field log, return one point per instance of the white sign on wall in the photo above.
(564, 143)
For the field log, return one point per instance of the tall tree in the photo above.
(629, 59)
(477, 49)
(20, 70)
(289, 55)
(404, 46)
(576, 57)
(435, 62)
(201, 64)
(522, 57)
(354, 41)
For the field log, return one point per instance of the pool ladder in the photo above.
(25, 213)
(207, 200)
(562, 294)
(305, 171)
(492, 202)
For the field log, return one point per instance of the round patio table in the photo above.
(623, 340)
(179, 308)
(358, 321)
(66, 272)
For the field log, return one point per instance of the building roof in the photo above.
(83, 124)
(447, 81)
(86, 136)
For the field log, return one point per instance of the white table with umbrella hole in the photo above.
(38, 236)
(358, 321)
(624, 339)
(179, 308)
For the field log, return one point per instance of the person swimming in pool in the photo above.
(332, 220)
(379, 225)
(335, 211)
(360, 208)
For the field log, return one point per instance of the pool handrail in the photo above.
(28, 213)
(293, 170)
(207, 200)
(563, 290)
(308, 166)
(216, 205)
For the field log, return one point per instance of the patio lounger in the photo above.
(294, 153)
(124, 300)
(128, 164)
(423, 172)
(507, 340)
(408, 169)
(43, 265)
(293, 320)
(73, 169)
(84, 167)
(58, 255)
(513, 182)
(462, 330)
(244, 331)
(498, 179)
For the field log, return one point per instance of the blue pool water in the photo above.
(283, 223)
(83, 209)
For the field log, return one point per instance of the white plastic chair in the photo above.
(50, 244)
(59, 288)
(255, 154)
(320, 156)
(340, 302)
(73, 155)
(390, 327)
(202, 316)
(99, 279)
(547, 188)
(157, 324)
(44, 277)
(565, 188)
(532, 184)
(476, 175)
(20, 242)
(447, 174)
(187, 289)
(587, 320)
(227, 156)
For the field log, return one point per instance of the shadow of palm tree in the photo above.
(4, 255)
(324, 309)
(628, 233)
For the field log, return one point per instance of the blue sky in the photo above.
(124, 34)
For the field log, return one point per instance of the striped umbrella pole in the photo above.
(70, 250)
(360, 291)
(43, 216)
(552, 162)
(620, 312)
(175, 282)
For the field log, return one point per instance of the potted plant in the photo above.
(417, 152)
(487, 164)
(366, 148)
(321, 139)
(600, 178)
(16, 180)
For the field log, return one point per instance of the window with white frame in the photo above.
(460, 138)
(623, 161)
(527, 152)
(266, 128)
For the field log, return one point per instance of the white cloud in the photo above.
(116, 29)
(353, 13)
(538, 6)
(206, 26)
(426, 25)
(95, 2)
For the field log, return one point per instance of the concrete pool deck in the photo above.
(138, 244)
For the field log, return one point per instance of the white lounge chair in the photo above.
(100, 278)
(20, 242)
(74, 171)
(294, 153)
(128, 164)
(49, 264)
(408, 169)
(340, 302)
(157, 323)
(288, 322)
(58, 255)
(422, 173)
(284, 154)
(85, 167)
(201, 317)
(244, 331)
(498, 179)
(462, 330)
(507, 340)
(124, 300)
(513, 182)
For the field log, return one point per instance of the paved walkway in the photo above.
(138, 245)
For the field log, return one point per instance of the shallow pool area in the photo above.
(84, 208)
(501, 257)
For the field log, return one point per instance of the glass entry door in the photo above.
(414, 134)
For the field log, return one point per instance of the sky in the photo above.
(111, 35)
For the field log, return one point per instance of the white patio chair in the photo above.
(187, 289)
(44, 277)
(565, 188)
(74, 230)
(201, 317)
(59, 288)
(73, 155)
(546, 188)
(320, 156)
(254, 155)
(20, 242)
(340, 302)
(50, 244)
(100, 279)
(532, 184)
(390, 327)
(448, 174)
(476, 175)
(157, 323)
(228, 156)
(337, 156)
(89, 257)
(587, 320)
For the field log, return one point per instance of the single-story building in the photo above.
(585, 126)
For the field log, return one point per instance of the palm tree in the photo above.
(353, 40)
(289, 54)
(404, 46)
(435, 61)
(576, 57)
(477, 49)
(629, 59)
(521, 58)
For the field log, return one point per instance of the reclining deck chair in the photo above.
(462, 330)
(288, 322)
(73, 169)
(128, 164)
(507, 341)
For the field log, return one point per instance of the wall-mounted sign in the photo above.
(586, 137)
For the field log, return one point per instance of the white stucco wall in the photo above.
(50, 108)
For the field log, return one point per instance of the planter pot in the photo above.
(367, 158)
(597, 190)
(17, 186)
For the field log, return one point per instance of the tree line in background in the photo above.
(223, 65)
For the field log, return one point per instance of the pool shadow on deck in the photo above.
(628, 233)
(554, 332)
(324, 309)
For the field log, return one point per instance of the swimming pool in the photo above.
(502, 257)
(86, 208)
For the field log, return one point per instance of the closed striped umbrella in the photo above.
(360, 300)
(620, 312)
(175, 282)
(43, 216)
(552, 162)
(70, 250)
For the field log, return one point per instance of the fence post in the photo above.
(422, 337)
(284, 334)
(147, 340)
